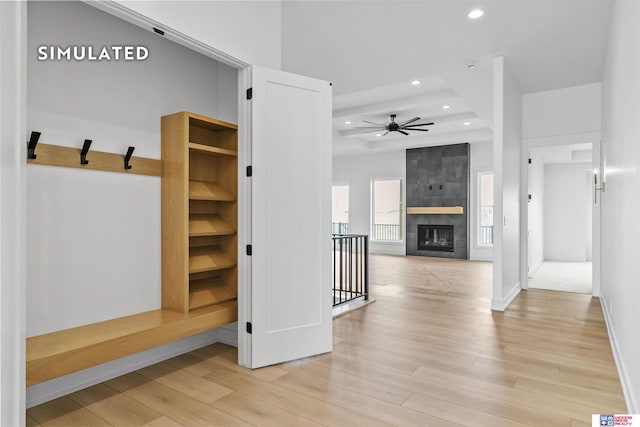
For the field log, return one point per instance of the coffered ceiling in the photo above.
(431, 100)
(372, 50)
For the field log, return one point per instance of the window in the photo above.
(340, 209)
(387, 210)
(485, 209)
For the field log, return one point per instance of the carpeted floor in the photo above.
(563, 276)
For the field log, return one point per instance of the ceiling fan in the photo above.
(403, 128)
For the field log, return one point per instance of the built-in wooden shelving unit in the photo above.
(199, 212)
(199, 253)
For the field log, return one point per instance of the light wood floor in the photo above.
(428, 352)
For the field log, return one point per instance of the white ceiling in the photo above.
(371, 50)
(407, 101)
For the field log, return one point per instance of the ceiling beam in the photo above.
(400, 142)
(437, 120)
(433, 98)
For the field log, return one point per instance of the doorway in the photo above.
(560, 218)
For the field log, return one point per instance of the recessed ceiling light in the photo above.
(416, 82)
(378, 134)
(467, 123)
(446, 107)
(347, 122)
(471, 65)
(476, 13)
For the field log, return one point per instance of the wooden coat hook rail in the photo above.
(69, 157)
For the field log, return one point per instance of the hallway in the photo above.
(563, 276)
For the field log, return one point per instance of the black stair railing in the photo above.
(350, 268)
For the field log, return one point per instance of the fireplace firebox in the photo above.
(435, 238)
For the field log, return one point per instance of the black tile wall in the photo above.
(439, 176)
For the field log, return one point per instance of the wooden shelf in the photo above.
(63, 352)
(209, 122)
(213, 151)
(208, 258)
(210, 291)
(203, 190)
(435, 210)
(209, 225)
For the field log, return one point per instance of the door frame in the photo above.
(594, 138)
(13, 122)
(14, 403)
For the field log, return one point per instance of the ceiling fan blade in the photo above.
(385, 133)
(403, 132)
(421, 124)
(409, 121)
(371, 123)
(421, 130)
(374, 130)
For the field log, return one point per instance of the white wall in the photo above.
(93, 241)
(12, 209)
(357, 46)
(481, 161)
(564, 116)
(357, 172)
(507, 168)
(247, 30)
(620, 293)
(535, 209)
(566, 212)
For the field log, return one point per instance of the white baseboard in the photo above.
(502, 304)
(57, 387)
(534, 270)
(484, 258)
(565, 259)
(228, 334)
(629, 397)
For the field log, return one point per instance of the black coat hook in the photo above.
(31, 145)
(85, 150)
(127, 166)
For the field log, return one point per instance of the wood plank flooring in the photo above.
(428, 352)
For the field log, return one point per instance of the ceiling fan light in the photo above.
(378, 134)
(476, 13)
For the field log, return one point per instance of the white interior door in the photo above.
(290, 291)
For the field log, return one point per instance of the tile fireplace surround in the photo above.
(436, 177)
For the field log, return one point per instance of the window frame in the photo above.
(478, 203)
(372, 235)
(342, 184)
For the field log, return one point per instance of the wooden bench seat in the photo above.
(63, 352)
